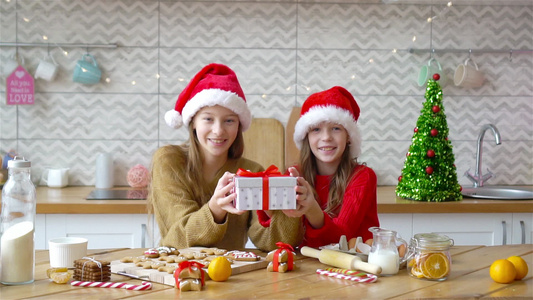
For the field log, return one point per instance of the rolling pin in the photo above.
(340, 260)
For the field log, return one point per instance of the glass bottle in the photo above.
(429, 256)
(17, 225)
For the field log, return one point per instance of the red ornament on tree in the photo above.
(436, 76)
(435, 109)
(434, 132)
(416, 129)
(431, 153)
(399, 178)
(429, 170)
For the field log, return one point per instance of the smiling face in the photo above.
(216, 129)
(327, 142)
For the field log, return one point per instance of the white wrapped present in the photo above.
(280, 193)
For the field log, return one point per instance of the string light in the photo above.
(26, 19)
(133, 82)
(108, 80)
(45, 37)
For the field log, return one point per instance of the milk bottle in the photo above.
(17, 225)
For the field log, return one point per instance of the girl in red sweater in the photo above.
(339, 194)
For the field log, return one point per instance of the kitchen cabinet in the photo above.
(401, 223)
(103, 231)
(40, 232)
(522, 228)
(465, 229)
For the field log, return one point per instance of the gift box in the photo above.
(267, 190)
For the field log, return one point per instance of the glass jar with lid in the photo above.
(429, 256)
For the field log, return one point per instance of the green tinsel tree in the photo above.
(429, 173)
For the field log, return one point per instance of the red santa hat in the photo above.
(335, 105)
(215, 84)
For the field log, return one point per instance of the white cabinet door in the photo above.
(401, 223)
(467, 229)
(522, 228)
(41, 242)
(103, 231)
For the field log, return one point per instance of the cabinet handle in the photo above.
(143, 235)
(523, 228)
(504, 225)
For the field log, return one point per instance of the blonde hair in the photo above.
(195, 163)
(339, 181)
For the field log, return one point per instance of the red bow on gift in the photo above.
(289, 249)
(188, 264)
(269, 172)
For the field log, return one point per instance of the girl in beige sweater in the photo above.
(191, 193)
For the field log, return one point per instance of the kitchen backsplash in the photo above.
(282, 51)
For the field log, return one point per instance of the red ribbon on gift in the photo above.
(188, 264)
(289, 249)
(269, 172)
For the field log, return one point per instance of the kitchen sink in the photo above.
(499, 192)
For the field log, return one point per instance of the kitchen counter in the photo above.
(469, 278)
(71, 200)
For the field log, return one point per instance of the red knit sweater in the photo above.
(357, 214)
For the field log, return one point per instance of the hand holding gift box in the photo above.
(267, 190)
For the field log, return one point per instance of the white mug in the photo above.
(47, 69)
(427, 71)
(468, 76)
(9, 65)
(55, 178)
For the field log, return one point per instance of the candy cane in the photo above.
(119, 285)
(369, 279)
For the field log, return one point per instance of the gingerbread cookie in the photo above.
(151, 253)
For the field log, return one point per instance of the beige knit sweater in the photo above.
(184, 223)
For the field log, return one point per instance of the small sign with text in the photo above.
(20, 88)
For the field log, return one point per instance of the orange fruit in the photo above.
(219, 269)
(54, 270)
(60, 277)
(436, 266)
(520, 266)
(502, 271)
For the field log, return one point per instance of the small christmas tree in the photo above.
(429, 173)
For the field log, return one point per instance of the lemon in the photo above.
(502, 271)
(219, 269)
(520, 266)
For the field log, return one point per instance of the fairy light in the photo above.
(370, 61)
(133, 82)
(430, 19)
(449, 4)
(352, 77)
(45, 37)
(27, 20)
(414, 38)
(157, 76)
(108, 80)
(264, 96)
(394, 50)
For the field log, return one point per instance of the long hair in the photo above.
(339, 180)
(199, 188)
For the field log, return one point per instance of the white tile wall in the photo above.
(281, 51)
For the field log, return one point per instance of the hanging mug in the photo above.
(10, 64)
(47, 69)
(426, 72)
(87, 72)
(468, 76)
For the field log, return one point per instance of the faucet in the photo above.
(478, 179)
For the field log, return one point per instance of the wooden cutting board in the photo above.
(237, 267)
(292, 154)
(264, 142)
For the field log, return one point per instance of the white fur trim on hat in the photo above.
(212, 97)
(333, 114)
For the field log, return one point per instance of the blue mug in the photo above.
(87, 72)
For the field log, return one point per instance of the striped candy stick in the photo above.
(119, 285)
(371, 278)
(348, 272)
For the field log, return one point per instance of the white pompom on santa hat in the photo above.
(215, 84)
(335, 105)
